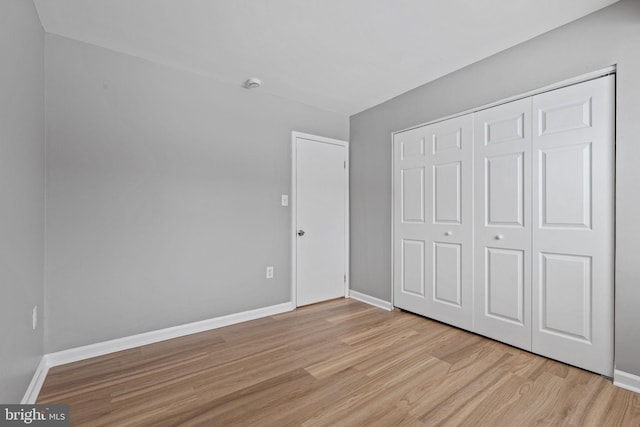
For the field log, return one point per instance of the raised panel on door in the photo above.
(565, 186)
(412, 195)
(447, 273)
(565, 295)
(574, 225)
(449, 139)
(447, 183)
(504, 190)
(504, 285)
(411, 146)
(502, 157)
(433, 221)
(412, 267)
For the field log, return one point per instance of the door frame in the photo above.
(294, 210)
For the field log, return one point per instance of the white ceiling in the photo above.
(339, 55)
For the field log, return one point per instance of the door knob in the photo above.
(499, 237)
(448, 233)
(300, 233)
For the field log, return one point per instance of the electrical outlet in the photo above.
(285, 200)
(270, 272)
(34, 315)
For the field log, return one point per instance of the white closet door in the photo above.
(433, 221)
(502, 155)
(573, 219)
(410, 220)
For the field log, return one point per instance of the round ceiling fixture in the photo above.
(253, 83)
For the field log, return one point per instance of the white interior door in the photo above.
(502, 154)
(320, 222)
(433, 221)
(573, 217)
(410, 220)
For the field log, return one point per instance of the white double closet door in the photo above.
(504, 223)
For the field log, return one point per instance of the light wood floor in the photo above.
(339, 363)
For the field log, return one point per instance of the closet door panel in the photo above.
(566, 278)
(447, 273)
(412, 195)
(502, 138)
(565, 186)
(433, 221)
(573, 239)
(410, 236)
(504, 190)
(447, 188)
(412, 273)
(505, 284)
(450, 226)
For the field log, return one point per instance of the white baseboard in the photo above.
(625, 380)
(31, 395)
(125, 343)
(385, 305)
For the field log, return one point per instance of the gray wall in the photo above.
(21, 195)
(163, 194)
(607, 37)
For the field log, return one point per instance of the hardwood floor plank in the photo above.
(139, 377)
(92, 406)
(381, 329)
(349, 358)
(232, 409)
(232, 377)
(489, 408)
(628, 406)
(523, 363)
(465, 399)
(536, 403)
(337, 363)
(383, 390)
(321, 398)
(400, 357)
(421, 400)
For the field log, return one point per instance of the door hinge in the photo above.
(345, 278)
(345, 164)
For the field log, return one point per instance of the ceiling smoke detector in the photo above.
(252, 83)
